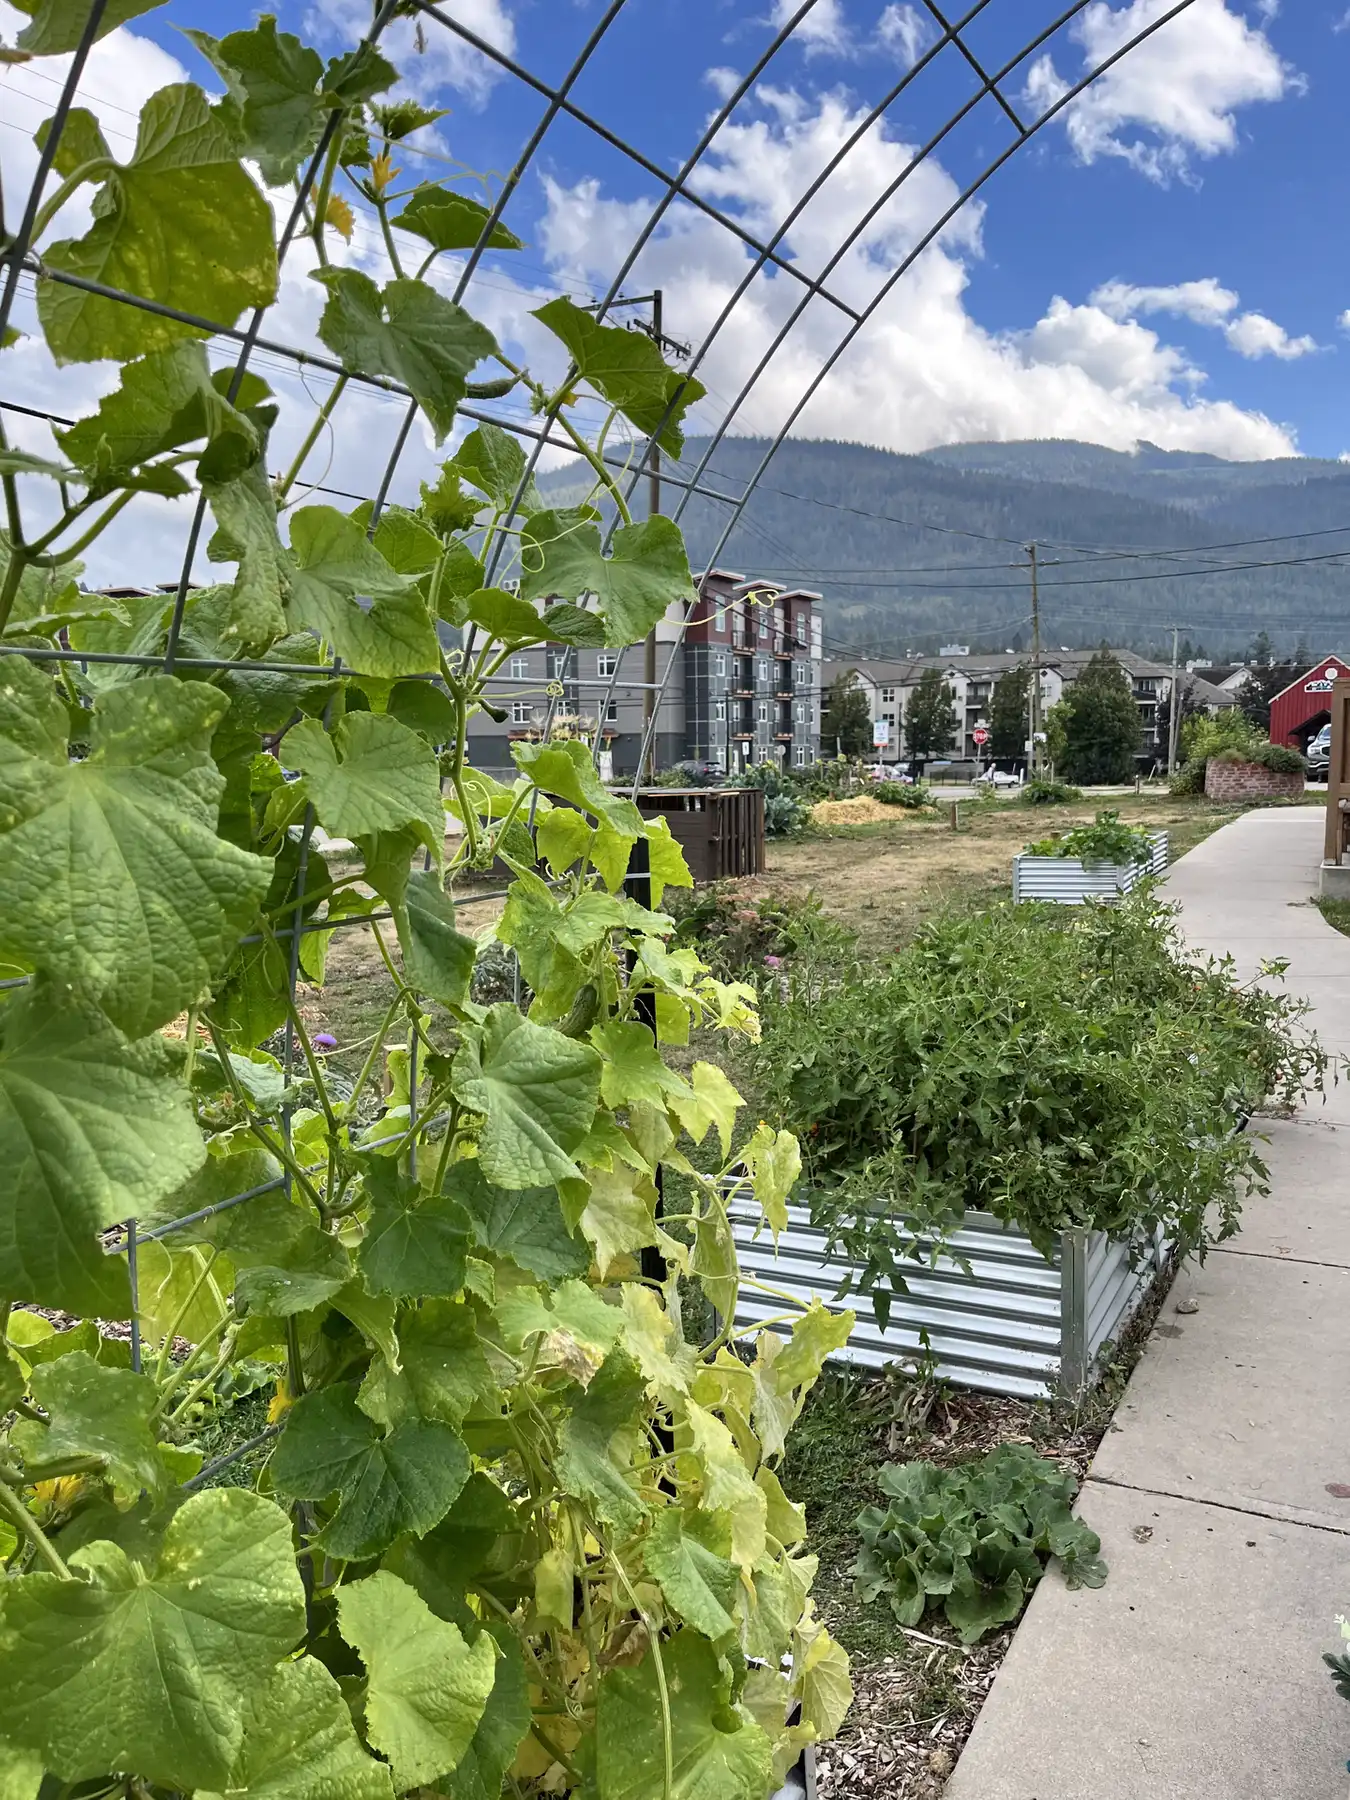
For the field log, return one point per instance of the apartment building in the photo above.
(739, 667)
(971, 679)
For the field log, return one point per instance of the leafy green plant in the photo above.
(1042, 792)
(1339, 1663)
(744, 937)
(1204, 735)
(1281, 759)
(512, 1529)
(973, 1540)
(1106, 840)
(912, 797)
(1056, 1067)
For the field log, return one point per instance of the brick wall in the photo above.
(1249, 781)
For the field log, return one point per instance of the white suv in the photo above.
(1318, 753)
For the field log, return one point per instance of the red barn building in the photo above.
(1299, 711)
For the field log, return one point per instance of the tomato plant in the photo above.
(514, 1533)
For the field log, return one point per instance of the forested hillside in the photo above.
(913, 551)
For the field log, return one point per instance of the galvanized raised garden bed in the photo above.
(1015, 1324)
(1070, 882)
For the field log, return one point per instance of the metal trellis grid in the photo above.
(951, 48)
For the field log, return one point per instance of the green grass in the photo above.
(1335, 912)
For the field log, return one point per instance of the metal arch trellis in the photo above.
(19, 260)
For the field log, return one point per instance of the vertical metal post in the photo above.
(132, 1277)
(653, 508)
(1073, 1306)
(637, 885)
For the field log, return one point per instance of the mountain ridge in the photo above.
(912, 550)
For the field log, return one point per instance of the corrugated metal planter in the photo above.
(1070, 882)
(1016, 1324)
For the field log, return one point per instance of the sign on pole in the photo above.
(980, 735)
(881, 734)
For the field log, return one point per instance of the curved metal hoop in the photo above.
(766, 251)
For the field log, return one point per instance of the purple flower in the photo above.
(773, 962)
(323, 1040)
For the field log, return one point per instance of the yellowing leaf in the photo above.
(553, 1588)
(620, 1215)
(820, 1675)
(651, 1339)
(710, 1100)
(727, 1484)
(774, 1162)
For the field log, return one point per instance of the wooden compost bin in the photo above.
(720, 830)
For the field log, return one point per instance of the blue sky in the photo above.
(1166, 261)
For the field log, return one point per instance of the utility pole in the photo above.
(654, 329)
(1173, 709)
(1035, 696)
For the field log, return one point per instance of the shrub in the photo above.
(1053, 1066)
(740, 935)
(1042, 792)
(1279, 758)
(973, 1540)
(1207, 734)
(1106, 840)
(898, 793)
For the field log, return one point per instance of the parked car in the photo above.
(1318, 754)
(998, 778)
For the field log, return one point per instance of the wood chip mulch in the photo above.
(896, 1744)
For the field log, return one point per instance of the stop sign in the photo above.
(980, 735)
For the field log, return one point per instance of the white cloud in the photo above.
(1253, 335)
(824, 30)
(1344, 320)
(428, 56)
(923, 371)
(1174, 97)
(1204, 302)
(722, 81)
(905, 31)
(1343, 23)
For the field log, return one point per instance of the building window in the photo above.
(799, 755)
(888, 696)
(890, 720)
(764, 668)
(719, 664)
(611, 713)
(802, 672)
(607, 664)
(520, 667)
(720, 711)
(801, 627)
(801, 712)
(520, 712)
(763, 622)
(763, 712)
(557, 663)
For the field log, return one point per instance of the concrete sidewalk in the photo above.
(1222, 1490)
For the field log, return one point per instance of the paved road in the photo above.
(1222, 1491)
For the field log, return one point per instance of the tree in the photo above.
(1009, 718)
(930, 717)
(1162, 731)
(1260, 688)
(846, 718)
(1101, 730)
(1262, 650)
